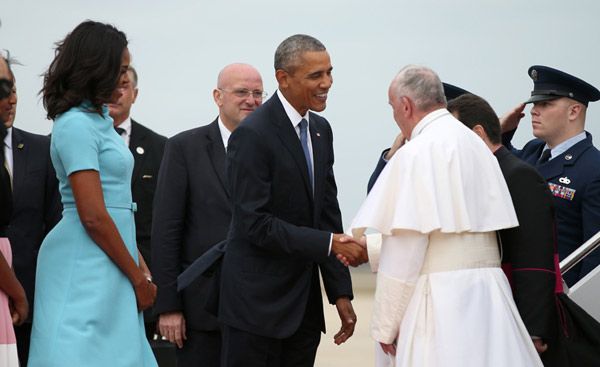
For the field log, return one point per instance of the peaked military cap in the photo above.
(452, 91)
(549, 83)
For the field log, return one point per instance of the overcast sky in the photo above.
(178, 47)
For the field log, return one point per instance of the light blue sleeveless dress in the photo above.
(85, 307)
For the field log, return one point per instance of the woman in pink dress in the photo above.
(13, 302)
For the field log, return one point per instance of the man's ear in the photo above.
(217, 96)
(135, 94)
(574, 111)
(282, 77)
(480, 131)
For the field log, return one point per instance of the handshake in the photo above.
(349, 250)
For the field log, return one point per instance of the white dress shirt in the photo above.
(8, 154)
(127, 134)
(225, 133)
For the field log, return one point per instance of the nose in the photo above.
(326, 81)
(534, 110)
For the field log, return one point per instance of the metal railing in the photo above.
(576, 256)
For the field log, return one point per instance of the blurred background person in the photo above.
(192, 214)
(13, 301)
(36, 204)
(147, 148)
(90, 289)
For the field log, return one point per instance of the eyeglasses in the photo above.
(245, 93)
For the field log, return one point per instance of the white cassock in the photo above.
(440, 290)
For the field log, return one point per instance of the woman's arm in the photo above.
(94, 217)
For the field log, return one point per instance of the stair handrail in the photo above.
(580, 253)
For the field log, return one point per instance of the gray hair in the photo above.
(10, 61)
(288, 52)
(422, 85)
(134, 74)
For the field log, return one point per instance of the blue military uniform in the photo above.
(573, 176)
(574, 180)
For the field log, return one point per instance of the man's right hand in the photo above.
(349, 250)
(511, 119)
(398, 143)
(171, 325)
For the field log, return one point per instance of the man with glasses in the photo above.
(192, 213)
(564, 155)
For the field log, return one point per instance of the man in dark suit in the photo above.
(36, 206)
(192, 214)
(147, 148)
(528, 251)
(564, 155)
(285, 221)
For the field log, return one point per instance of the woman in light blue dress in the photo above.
(89, 287)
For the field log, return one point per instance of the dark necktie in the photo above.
(119, 130)
(544, 157)
(304, 142)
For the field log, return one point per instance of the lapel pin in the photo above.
(568, 157)
(20, 145)
(139, 150)
(318, 134)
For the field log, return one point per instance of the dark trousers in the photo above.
(200, 349)
(23, 334)
(244, 349)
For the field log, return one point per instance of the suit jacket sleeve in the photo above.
(168, 224)
(250, 161)
(380, 166)
(532, 251)
(336, 277)
(53, 205)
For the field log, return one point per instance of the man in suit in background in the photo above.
(192, 214)
(36, 205)
(564, 155)
(528, 251)
(285, 221)
(147, 148)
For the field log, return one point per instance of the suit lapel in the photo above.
(216, 152)
(20, 152)
(555, 167)
(319, 164)
(137, 148)
(290, 140)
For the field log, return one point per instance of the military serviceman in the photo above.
(564, 155)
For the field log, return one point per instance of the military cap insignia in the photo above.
(534, 74)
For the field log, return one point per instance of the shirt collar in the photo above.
(126, 124)
(428, 119)
(225, 133)
(565, 145)
(290, 111)
(8, 138)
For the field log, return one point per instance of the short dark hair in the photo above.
(288, 52)
(473, 110)
(86, 66)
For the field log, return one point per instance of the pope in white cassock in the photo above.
(441, 297)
